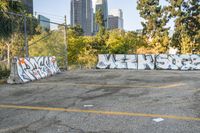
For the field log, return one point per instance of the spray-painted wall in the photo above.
(30, 69)
(178, 62)
(149, 62)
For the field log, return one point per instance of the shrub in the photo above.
(4, 72)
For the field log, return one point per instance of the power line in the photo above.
(23, 15)
(40, 39)
(52, 18)
(49, 14)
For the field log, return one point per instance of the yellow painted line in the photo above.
(195, 90)
(9, 129)
(98, 112)
(117, 85)
(171, 86)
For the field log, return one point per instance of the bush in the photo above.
(4, 72)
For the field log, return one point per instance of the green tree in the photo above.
(154, 16)
(12, 29)
(154, 25)
(10, 23)
(99, 18)
(102, 35)
(187, 23)
(121, 42)
(116, 42)
(8, 27)
(88, 54)
(76, 30)
(75, 43)
(53, 44)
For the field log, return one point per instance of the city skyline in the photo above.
(44, 22)
(101, 5)
(81, 13)
(115, 19)
(132, 20)
(29, 5)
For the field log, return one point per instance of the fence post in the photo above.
(26, 37)
(8, 55)
(65, 43)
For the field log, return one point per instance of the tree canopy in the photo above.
(184, 13)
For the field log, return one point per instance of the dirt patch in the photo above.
(2, 81)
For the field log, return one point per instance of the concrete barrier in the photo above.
(29, 69)
(149, 62)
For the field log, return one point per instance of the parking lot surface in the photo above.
(104, 101)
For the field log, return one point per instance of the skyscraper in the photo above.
(29, 5)
(103, 6)
(44, 22)
(82, 14)
(115, 19)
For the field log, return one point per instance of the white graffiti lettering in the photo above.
(146, 62)
(117, 62)
(29, 69)
(149, 62)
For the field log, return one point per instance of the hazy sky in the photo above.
(56, 9)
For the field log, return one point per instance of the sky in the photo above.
(56, 9)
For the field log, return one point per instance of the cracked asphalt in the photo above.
(103, 101)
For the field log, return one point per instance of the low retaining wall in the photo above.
(29, 69)
(149, 62)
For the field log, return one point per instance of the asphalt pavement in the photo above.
(104, 101)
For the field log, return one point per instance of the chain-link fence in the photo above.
(27, 36)
(24, 36)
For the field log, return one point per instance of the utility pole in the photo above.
(65, 43)
(26, 37)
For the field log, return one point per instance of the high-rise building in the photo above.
(139, 31)
(44, 22)
(116, 12)
(115, 19)
(103, 6)
(82, 14)
(113, 22)
(94, 23)
(28, 5)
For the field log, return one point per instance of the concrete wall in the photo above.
(29, 69)
(149, 62)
